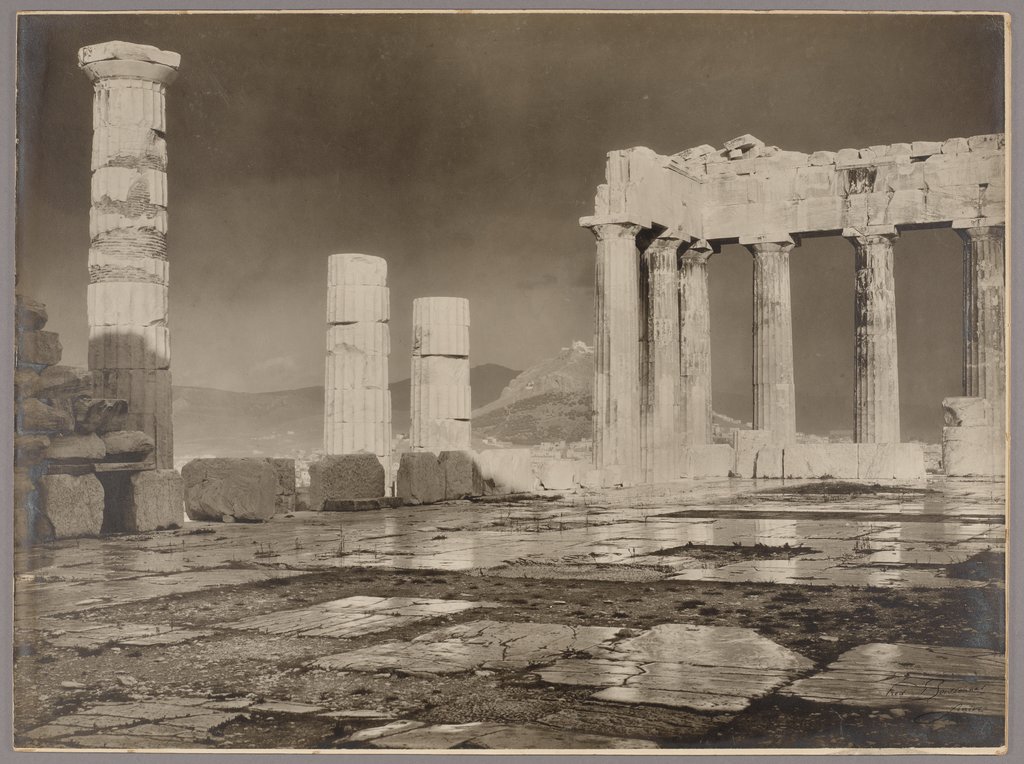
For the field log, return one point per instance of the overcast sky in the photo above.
(463, 149)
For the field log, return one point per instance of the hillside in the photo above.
(284, 423)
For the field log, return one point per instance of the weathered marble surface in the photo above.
(440, 395)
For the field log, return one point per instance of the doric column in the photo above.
(441, 403)
(774, 395)
(617, 351)
(984, 373)
(661, 357)
(129, 341)
(876, 413)
(694, 393)
(357, 402)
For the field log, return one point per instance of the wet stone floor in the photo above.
(698, 614)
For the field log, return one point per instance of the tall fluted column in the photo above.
(694, 392)
(876, 413)
(774, 394)
(659, 412)
(984, 374)
(441, 402)
(129, 340)
(617, 351)
(357, 402)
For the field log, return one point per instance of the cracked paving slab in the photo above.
(354, 616)
(90, 636)
(412, 735)
(471, 646)
(921, 678)
(167, 722)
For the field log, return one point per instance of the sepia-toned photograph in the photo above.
(541, 381)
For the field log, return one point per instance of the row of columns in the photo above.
(652, 398)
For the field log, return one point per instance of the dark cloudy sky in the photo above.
(463, 148)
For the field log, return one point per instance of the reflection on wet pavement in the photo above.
(926, 679)
(416, 735)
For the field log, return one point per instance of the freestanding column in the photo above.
(876, 413)
(984, 373)
(129, 341)
(617, 361)
(694, 405)
(441, 404)
(357, 403)
(661, 357)
(774, 395)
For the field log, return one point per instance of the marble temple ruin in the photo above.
(440, 404)
(357, 402)
(129, 340)
(658, 218)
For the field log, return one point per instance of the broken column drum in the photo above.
(440, 397)
(129, 339)
(766, 198)
(357, 403)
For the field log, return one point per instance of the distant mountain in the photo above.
(211, 422)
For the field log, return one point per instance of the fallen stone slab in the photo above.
(229, 490)
(127, 445)
(100, 415)
(155, 502)
(64, 382)
(345, 477)
(361, 505)
(462, 477)
(920, 678)
(421, 478)
(38, 348)
(75, 448)
(34, 416)
(72, 505)
(30, 314)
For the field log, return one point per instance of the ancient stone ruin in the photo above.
(658, 218)
(129, 341)
(441, 405)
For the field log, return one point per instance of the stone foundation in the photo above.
(421, 478)
(73, 505)
(462, 477)
(343, 477)
(230, 490)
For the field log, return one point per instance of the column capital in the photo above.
(763, 244)
(976, 229)
(871, 234)
(611, 228)
(125, 60)
(698, 252)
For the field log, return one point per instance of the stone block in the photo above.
(925, 148)
(876, 461)
(973, 452)
(355, 269)
(746, 444)
(991, 142)
(347, 304)
(284, 470)
(30, 449)
(821, 460)
(26, 383)
(76, 448)
(129, 348)
(955, 146)
(743, 143)
(229, 490)
(462, 476)
(361, 505)
(65, 382)
(39, 348)
(156, 501)
(591, 479)
(421, 478)
(36, 416)
(30, 315)
(343, 477)
(769, 462)
(507, 470)
(966, 411)
(100, 415)
(712, 460)
(73, 505)
(560, 474)
(822, 158)
(127, 445)
(908, 461)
